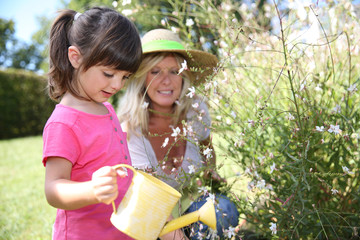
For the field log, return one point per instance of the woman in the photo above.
(168, 126)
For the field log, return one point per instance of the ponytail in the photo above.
(61, 71)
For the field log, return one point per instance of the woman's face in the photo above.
(164, 84)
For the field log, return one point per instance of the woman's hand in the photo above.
(177, 234)
(212, 174)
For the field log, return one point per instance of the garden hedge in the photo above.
(24, 103)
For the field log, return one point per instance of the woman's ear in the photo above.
(74, 56)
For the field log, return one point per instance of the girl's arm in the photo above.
(65, 194)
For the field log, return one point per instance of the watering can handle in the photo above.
(116, 167)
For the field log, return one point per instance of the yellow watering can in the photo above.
(148, 203)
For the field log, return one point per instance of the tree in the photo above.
(193, 21)
(26, 56)
(7, 30)
(15, 53)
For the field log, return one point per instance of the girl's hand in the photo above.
(104, 184)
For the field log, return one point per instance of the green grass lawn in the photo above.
(24, 212)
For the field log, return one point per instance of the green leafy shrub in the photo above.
(24, 104)
(285, 106)
(287, 110)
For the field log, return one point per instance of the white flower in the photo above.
(191, 169)
(272, 168)
(189, 22)
(334, 129)
(163, 21)
(176, 132)
(320, 129)
(334, 191)
(251, 123)
(125, 2)
(251, 185)
(346, 170)
(195, 105)
(302, 86)
(200, 235)
(145, 105)
(212, 235)
(273, 228)
(337, 108)
(318, 88)
(290, 117)
(185, 131)
(166, 141)
(207, 152)
(191, 93)
(233, 114)
(211, 197)
(183, 67)
(127, 12)
(261, 184)
(114, 4)
(239, 143)
(352, 88)
(230, 232)
(247, 171)
(203, 190)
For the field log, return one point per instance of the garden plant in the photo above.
(285, 107)
(284, 101)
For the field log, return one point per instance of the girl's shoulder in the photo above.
(63, 114)
(110, 107)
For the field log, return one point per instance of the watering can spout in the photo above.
(205, 214)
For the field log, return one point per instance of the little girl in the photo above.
(91, 56)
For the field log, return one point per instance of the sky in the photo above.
(24, 13)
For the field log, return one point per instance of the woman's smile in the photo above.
(166, 92)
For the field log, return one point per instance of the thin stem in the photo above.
(287, 67)
(328, 43)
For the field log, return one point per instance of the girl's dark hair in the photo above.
(103, 37)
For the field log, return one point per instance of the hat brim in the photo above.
(200, 63)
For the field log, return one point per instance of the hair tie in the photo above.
(77, 15)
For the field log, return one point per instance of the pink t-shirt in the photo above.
(89, 142)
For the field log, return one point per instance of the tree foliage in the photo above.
(15, 53)
(7, 29)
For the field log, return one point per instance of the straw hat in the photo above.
(162, 40)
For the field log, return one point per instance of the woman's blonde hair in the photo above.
(131, 106)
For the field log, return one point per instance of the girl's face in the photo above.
(99, 83)
(164, 84)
